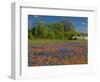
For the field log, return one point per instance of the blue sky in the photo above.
(80, 23)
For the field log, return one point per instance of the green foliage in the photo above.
(69, 35)
(51, 35)
(59, 34)
(30, 36)
(45, 32)
(56, 30)
(39, 29)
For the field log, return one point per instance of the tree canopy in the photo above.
(56, 30)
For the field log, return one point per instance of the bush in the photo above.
(30, 36)
(68, 35)
(51, 35)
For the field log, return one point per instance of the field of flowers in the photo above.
(59, 53)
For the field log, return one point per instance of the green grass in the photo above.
(51, 41)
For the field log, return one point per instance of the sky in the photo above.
(80, 23)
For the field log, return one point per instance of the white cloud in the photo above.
(36, 16)
(83, 23)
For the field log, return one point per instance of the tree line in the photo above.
(54, 30)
